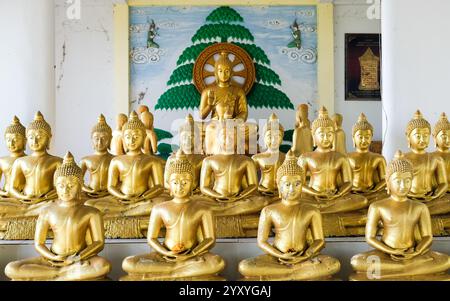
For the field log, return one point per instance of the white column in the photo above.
(26, 61)
(415, 66)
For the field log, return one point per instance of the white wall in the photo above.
(350, 16)
(416, 67)
(26, 61)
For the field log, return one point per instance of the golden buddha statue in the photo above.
(151, 141)
(292, 256)
(16, 139)
(117, 146)
(97, 164)
(188, 139)
(224, 101)
(31, 182)
(331, 175)
(369, 169)
(403, 252)
(429, 182)
(135, 180)
(339, 144)
(270, 160)
(78, 235)
(302, 141)
(441, 134)
(230, 180)
(184, 254)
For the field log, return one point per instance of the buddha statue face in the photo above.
(324, 137)
(222, 69)
(186, 141)
(273, 139)
(101, 141)
(134, 139)
(443, 139)
(181, 184)
(362, 139)
(68, 188)
(290, 187)
(15, 142)
(399, 183)
(419, 138)
(38, 139)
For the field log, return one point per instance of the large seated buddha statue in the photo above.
(97, 164)
(441, 134)
(330, 183)
(135, 185)
(369, 169)
(31, 184)
(78, 235)
(291, 256)
(230, 183)
(184, 253)
(15, 139)
(403, 251)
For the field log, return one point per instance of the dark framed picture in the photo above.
(362, 66)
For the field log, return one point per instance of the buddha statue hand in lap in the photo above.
(292, 256)
(15, 139)
(97, 164)
(330, 172)
(270, 160)
(135, 180)
(403, 251)
(368, 168)
(78, 235)
(184, 253)
(430, 179)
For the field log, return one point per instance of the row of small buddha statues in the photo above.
(402, 252)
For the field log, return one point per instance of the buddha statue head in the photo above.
(362, 133)
(68, 179)
(338, 119)
(418, 132)
(133, 133)
(147, 119)
(441, 133)
(181, 176)
(141, 109)
(323, 130)
(15, 136)
(301, 118)
(399, 174)
(290, 177)
(187, 135)
(39, 133)
(121, 119)
(101, 135)
(223, 68)
(273, 133)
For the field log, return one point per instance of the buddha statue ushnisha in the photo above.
(135, 180)
(369, 169)
(429, 183)
(292, 256)
(403, 251)
(270, 160)
(97, 164)
(16, 140)
(184, 253)
(302, 140)
(330, 172)
(78, 235)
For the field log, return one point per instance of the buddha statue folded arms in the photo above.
(403, 252)
(184, 254)
(135, 185)
(78, 235)
(31, 184)
(369, 169)
(330, 183)
(292, 256)
(97, 164)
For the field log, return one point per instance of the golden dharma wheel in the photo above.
(242, 66)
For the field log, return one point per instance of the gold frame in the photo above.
(325, 48)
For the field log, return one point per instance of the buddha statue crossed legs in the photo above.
(292, 256)
(184, 254)
(403, 252)
(78, 235)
